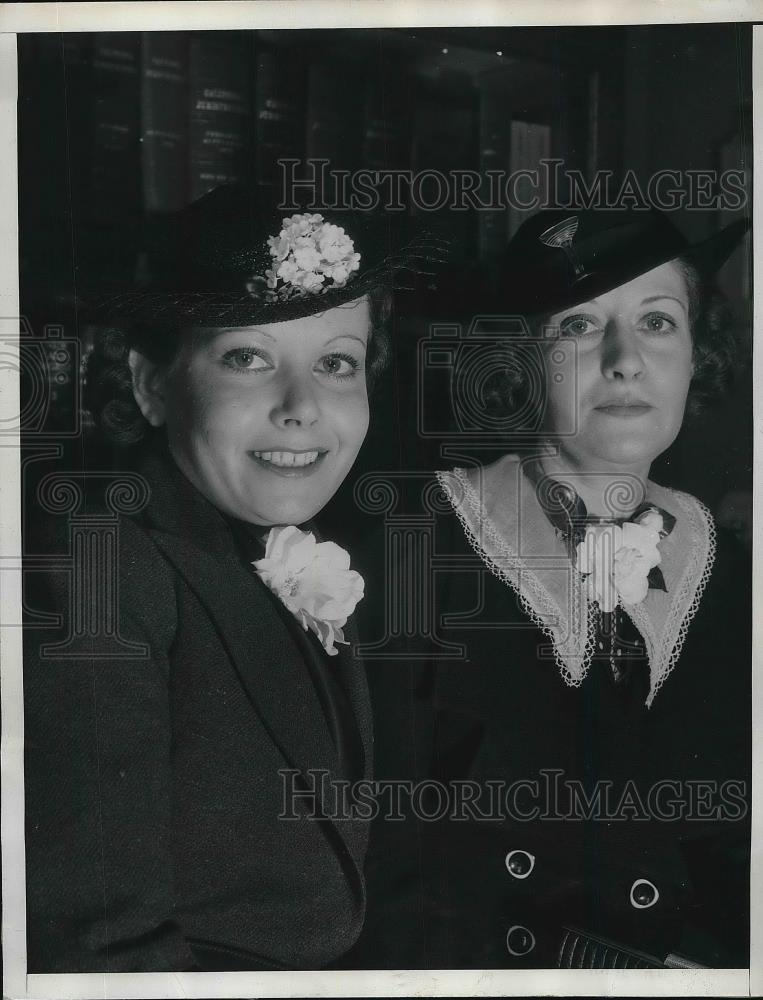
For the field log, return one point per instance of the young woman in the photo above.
(593, 739)
(179, 794)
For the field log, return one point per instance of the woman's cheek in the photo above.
(189, 396)
(676, 393)
(353, 418)
(562, 395)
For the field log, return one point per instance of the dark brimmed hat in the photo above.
(559, 258)
(231, 259)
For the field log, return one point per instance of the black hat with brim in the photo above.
(208, 264)
(558, 259)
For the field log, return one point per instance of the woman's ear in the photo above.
(148, 386)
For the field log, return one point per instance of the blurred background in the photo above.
(116, 129)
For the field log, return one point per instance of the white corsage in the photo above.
(310, 256)
(314, 581)
(616, 561)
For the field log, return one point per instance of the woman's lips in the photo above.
(625, 409)
(289, 463)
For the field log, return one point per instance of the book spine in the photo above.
(530, 143)
(494, 155)
(279, 114)
(116, 183)
(219, 130)
(445, 140)
(164, 120)
(385, 138)
(592, 146)
(335, 115)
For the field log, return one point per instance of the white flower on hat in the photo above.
(309, 280)
(314, 581)
(616, 560)
(288, 271)
(306, 258)
(310, 256)
(279, 247)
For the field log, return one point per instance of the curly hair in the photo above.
(108, 392)
(512, 390)
(714, 345)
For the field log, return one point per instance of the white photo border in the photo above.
(283, 14)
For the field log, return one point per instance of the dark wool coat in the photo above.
(153, 792)
(440, 892)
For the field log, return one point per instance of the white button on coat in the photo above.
(644, 894)
(519, 863)
(519, 940)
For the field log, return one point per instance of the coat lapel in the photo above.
(268, 661)
(353, 676)
(347, 667)
(268, 656)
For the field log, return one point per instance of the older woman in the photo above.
(176, 817)
(594, 735)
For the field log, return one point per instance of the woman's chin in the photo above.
(628, 453)
(272, 516)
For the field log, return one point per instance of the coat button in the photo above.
(519, 940)
(644, 894)
(519, 864)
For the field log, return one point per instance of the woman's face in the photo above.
(625, 361)
(267, 421)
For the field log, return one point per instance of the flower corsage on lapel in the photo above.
(314, 581)
(619, 561)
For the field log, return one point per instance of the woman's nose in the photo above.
(621, 352)
(297, 405)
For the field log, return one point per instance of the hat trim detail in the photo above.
(560, 236)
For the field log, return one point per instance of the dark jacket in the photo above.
(153, 784)
(440, 892)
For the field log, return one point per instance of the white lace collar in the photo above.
(506, 526)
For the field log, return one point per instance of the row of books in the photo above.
(172, 115)
(168, 116)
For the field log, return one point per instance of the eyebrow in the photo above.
(657, 298)
(346, 336)
(254, 329)
(209, 334)
(221, 332)
(650, 298)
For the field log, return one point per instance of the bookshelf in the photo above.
(118, 128)
(163, 117)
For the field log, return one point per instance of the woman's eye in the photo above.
(658, 323)
(577, 326)
(246, 359)
(338, 365)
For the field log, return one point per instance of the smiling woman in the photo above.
(155, 783)
(265, 421)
